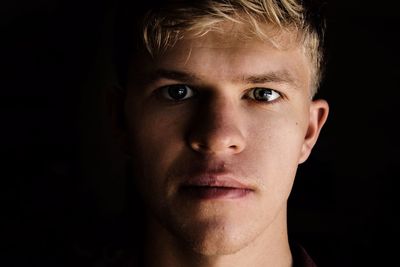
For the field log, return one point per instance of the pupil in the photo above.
(263, 94)
(177, 92)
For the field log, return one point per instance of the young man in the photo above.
(217, 112)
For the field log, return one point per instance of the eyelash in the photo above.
(252, 91)
(163, 91)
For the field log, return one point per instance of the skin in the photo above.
(224, 131)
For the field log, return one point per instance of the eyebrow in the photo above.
(280, 76)
(174, 75)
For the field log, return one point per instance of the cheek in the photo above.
(279, 135)
(155, 141)
(275, 149)
(152, 131)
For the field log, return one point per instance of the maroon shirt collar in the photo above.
(300, 256)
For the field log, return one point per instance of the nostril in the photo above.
(199, 147)
(225, 138)
(221, 147)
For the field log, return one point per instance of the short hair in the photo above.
(158, 25)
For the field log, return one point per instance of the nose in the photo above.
(217, 128)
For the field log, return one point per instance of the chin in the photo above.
(219, 248)
(211, 229)
(215, 237)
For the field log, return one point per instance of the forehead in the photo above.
(230, 54)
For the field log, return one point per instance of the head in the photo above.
(218, 113)
(157, 25)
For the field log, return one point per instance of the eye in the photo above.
(177, 92)
(263, 94)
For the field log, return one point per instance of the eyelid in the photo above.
(249, 95)
(163, 91)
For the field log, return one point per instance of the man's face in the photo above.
(217, 127)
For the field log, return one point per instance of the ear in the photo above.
(319, 110)
(115, 103)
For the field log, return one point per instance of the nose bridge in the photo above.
(224, 115)
(218, 127)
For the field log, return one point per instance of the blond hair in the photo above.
(168, 21)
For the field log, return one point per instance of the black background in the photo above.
(62, 180)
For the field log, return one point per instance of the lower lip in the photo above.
(204, 192)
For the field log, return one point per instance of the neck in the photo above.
(270, 248)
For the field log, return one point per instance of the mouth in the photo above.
(215, 187)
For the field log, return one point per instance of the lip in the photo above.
(208, 187)
(215, 181)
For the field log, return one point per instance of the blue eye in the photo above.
(264, 94)
(177, 92)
